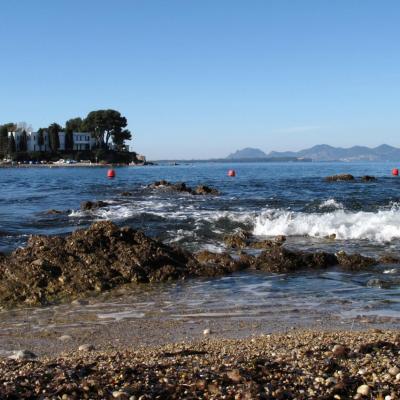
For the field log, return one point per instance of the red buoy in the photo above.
(232, 173)
(110, 173)
(395, 172)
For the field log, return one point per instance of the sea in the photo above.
(268, 199)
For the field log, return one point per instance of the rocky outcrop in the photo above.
(237, 240)
(183, 188)
(105, 256)
(92, 205)
(279, 259)
(214, 264)
(389, 259)
(340, 177)
(354, 262)
(242, 239)
(99, 258)
(205, 190)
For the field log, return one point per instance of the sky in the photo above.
(201, 79)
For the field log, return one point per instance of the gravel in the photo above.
(297, 365)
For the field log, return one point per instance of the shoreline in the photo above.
(301, 364)
(77, 165)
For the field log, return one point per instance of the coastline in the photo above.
(77, 165)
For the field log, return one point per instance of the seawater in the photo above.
(267, 198)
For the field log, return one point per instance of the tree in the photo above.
(54, 130)
(69, 140)
(23, 141)
(4, 129)
(11, 144)
(74, 124)
(106, 125)
(3, 140)
(40, 139)
(71, 126)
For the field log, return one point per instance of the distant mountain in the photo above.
(248, 152)
(324, 152)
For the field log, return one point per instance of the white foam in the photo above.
(390, 271)
(380, 226)
(332, 204)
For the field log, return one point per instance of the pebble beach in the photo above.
(296, 365)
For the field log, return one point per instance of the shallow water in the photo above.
(267, 198)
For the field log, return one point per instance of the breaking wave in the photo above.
(332, 204)
(380, 226)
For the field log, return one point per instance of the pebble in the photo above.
(394, 371)
(339, 350)
(23, 355)
(363, 390)
(65, 338)
(86, 347)
(119, 394)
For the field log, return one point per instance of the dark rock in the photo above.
(205, 190)
(242, 239)
(265, 244)
(214, 264)
(354, 262)
(279, 259)
(126, 194)
(368, 178)
(181, 187)
(99, 258)
(340, 177)
(92, 205)
(237, 240)
(54, 212)
(388, 259)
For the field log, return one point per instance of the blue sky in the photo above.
(200, 79)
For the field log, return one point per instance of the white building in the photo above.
(81, 140)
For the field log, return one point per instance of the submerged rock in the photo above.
(379, 283)
(340, 177)
(92, 205)
(54, 212)
(368, 178)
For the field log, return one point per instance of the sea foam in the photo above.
(380, 226)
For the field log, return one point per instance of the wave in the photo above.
(381, 226)
(331, 204)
